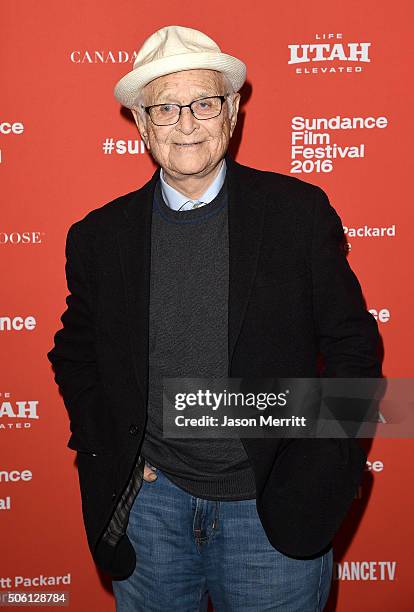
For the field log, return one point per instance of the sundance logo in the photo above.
(330, 49)
(382, 315)
(17, 323)
(365, 570)
(102, 57)
(374, 466)
(15, 476)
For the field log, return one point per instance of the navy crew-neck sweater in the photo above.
(188, 337)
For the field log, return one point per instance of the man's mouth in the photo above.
(187, 144)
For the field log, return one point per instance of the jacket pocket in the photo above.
(78, 444)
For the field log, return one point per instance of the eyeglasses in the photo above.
(169, 114)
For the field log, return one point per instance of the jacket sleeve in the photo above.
(348, 333)
(73, 356)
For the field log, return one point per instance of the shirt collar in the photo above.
(174, 199)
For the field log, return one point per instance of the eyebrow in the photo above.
(164, 98)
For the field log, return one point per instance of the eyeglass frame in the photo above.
(181, 106)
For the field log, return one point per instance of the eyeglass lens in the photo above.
(206, 108)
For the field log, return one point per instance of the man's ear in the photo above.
(142, 128)
(233, 118)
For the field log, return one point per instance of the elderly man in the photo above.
(211, 269)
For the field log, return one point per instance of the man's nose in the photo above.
(187, 122)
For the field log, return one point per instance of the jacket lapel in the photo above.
(246, 205)
(245, 219)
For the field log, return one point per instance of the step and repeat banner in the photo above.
(327, 101)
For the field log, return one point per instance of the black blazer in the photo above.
(294, 303)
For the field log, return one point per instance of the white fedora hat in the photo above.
(172, 49)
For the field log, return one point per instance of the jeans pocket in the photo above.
(147, 463)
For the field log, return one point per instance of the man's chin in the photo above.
(190, 166)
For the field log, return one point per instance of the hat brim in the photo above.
(128, 88)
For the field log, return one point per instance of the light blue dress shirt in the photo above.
(175, 199)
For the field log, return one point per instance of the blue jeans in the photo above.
(188, 548)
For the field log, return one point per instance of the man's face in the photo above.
(213, 135)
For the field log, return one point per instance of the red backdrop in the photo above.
(311, 60)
